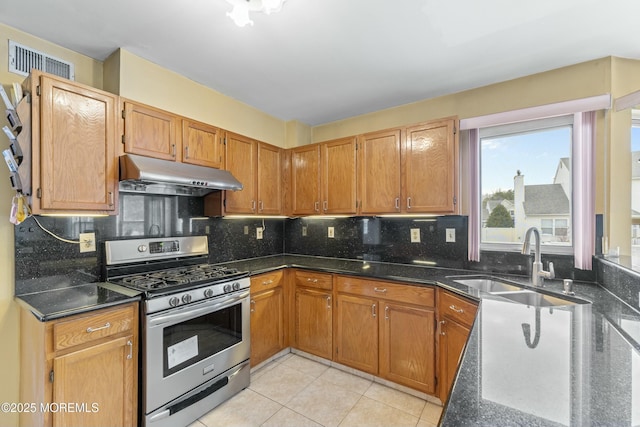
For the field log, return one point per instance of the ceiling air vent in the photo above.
(22, 59)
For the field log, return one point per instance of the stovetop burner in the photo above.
(178, 277)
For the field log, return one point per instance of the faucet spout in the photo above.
(537, 270)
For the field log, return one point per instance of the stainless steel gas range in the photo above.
(195, 325)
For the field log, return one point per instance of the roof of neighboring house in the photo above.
(546, 199)
(491, 204)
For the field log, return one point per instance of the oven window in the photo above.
(196, 339)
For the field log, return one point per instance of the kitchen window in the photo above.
(576, 120)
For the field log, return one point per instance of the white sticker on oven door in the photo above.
(183, 351)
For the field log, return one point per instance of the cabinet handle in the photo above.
(373, 310)
(253, 305)
(90, 329)
(173, 150)
(130, 355)
(380, 290)
(408, 202)
(456, 309)
(253, 206)
(325, 205)
(398, 203)
(328, 303)
(386, 312)
(309, 279)
(442, 323)
(316, 206)
(267, 282)
(111, 199)
(186, 152)
(260, 205)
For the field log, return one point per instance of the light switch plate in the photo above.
(330, 232)
(415, 235)
(259, 232)
(451, 235)
(87, 242)
(304, 230)
(246, 229)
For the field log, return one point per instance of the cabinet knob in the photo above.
(373, 310)
(408, 202)
(442, 323)
(456, 309)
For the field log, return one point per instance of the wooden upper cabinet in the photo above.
(338, 176)
(305, 180)
(430, 168)
(74, 147)
(258, 166)
(201, 144)
(269, 183)
(151, 132)
(241, 154)
(379, 162)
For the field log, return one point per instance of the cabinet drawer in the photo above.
(265, 281)
(313, 279)
(419, 295)
(457, 308)
(93, 327)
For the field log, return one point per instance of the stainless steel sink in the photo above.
(535, 299)
(487, 284)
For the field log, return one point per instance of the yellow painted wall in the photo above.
(175, 93)
(89, 72)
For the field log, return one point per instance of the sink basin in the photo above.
(535, 299)
(487, 284)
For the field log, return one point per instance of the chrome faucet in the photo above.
(537, 271)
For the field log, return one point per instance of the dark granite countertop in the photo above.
(66, 301)
(573, 365)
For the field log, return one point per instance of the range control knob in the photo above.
(236, 286)
(208, 293)
(174, 301)
(142, 248)
(227, 288)
(186, 298)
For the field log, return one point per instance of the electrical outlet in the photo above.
(451, 235)
(330, 232)
(206, 229)
(246, 229)
(87, 242)
(304, 230)
(415, 235)
(259, 232)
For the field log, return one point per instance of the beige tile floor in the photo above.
(298, 392)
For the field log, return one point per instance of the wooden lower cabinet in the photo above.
(89, 361)
(267, 316)
(387, 329)
(313, 313)
(456, 315)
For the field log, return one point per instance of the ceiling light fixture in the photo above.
(241, 9)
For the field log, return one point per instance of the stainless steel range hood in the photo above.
(139, 174)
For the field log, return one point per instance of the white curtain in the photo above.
(474, 195)
(583, 170)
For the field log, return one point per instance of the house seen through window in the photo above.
(526, 182)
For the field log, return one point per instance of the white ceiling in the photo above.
(317, 61)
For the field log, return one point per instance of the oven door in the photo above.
(189, 345)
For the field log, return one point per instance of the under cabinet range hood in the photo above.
(139, 174)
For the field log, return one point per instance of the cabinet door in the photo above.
(101, 375)
(313, 322)
(430, 168)
(150, 132)
(339, 176)
(242, 163)
(269, 174)
(201, 144)
(78, 167)
(357, 332)
(380, 172)
(453, 338)
(267, 324)
(305, 180)
(407, 346)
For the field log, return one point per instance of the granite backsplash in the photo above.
(39, 255)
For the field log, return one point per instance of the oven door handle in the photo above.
(195, 312)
